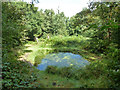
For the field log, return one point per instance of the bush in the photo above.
(93, 71)
(66, 72)
(40, 55)
(37, 60)
(52, 70)
(17, 76)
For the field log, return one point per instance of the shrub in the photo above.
(37, 60)
(52, 69)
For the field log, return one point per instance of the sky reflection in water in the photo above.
(62, 60)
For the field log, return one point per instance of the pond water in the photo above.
(62, 60)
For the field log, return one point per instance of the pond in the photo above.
(62, 59)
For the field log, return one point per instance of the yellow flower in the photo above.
(71, 64)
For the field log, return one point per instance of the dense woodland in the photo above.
(22, 23)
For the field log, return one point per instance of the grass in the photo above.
(93, 76)
(55, 81)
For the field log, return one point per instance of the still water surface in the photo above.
(62, 59)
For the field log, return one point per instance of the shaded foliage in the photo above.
(100, 22)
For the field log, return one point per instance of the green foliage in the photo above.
(17, 74)
(95, 70)
(114, 72)
(52, 69)
(68, 42)
(92, 74)
(37, 60)
(101, 21)
(12, 32)
(39, 57)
